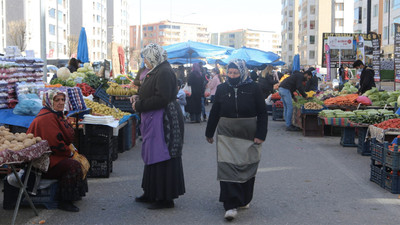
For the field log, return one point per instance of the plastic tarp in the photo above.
(83, 52)
(121, 55)
(192, 49)
(253, 57)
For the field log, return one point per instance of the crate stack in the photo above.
(99, 147)
(385, 165)
(277, 110)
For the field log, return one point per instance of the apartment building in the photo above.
(117, 23)
(167, 33)
(312, 19)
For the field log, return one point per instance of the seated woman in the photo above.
(51, 125)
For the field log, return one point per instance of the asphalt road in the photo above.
(301, 180)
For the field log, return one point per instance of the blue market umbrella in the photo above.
(253, 57)
(296, 62)
(278, 63)
(192, 49)
(184, 61)
(83, 52)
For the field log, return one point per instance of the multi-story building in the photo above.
(117, 22)
(290, 30)
(263, 40)
(378, 17)
(167, 33)
(313, 19)
(28, 11)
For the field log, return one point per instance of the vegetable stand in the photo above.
(308, 122)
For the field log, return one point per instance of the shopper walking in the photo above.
(213, 83)
(196, 81)
(240, 117)
(162, 131)
(367, 77)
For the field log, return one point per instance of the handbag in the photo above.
(188, 90)
(82, 160)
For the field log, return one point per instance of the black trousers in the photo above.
(235, 195)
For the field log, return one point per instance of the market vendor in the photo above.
(286, 88)
(51, 125)
(312, 83)
(367, 77)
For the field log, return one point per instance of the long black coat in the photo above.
(159, 88)
(248, 103)
(196, 82)
(267, 85)
(366, 80)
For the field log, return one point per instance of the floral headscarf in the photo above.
(48, 98)
(154, 54)
(244, 72)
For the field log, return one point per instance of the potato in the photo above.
(10, 137)
(14, 142)
(20, 138)
(29, 135)
(28, 143)
(38, 139)
(7, 142)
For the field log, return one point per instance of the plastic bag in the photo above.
(364, 100)
(28, 105)
(207, 92)
(188, 90)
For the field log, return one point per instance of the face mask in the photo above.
(234, 81)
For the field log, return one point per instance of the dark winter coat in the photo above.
(312, 84)
(248, 102)
(159, 88)
(267, 85)
(294, 82)
(366, 80)
(196, 82)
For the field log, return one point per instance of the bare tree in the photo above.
(72, 44)
(16, 33)
(135, 58)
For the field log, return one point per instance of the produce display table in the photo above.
(348, 130)
(37, 155)
(308, 122)
(382, 135)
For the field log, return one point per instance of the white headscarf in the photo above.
(154, 54)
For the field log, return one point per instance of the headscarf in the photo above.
(196, 68)
(154, 54)
(48, 98)
(244, 72)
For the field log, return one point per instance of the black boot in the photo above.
(143, 199)
(68, 206)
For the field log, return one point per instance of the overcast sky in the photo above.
(217, 15)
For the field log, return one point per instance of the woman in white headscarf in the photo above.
(162, 128)
(239, 116)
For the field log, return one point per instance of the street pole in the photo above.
(43, 38)
(141, 27)
(57, 29)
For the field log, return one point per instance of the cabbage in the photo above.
(63, 73)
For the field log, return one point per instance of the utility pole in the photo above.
(43, 38)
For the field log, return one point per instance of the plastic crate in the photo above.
(17, 129)
(347, 137)
(392, 181)
(392, 158)
(47, 197)
(98, 146)
(364, 146)
(378, 150)
(277, 113)
(102, 94)
(100, 168)
(377, 175)
(311, 126)
(92, 130)
(123, 103)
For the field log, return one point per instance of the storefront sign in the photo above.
(376, 56)
(397, 51)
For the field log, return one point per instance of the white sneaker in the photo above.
(245, 206)
(230, 214)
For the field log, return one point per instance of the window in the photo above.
(65, 34)
(312, 9)
(60, 16)
(231, 35)
(386, 6)
(163, 27)
(60, 2)
(311, 54)
(357, 15)
(375, 10)
(339, 6)
(94, 5)
(339, 22)
(395, 20)
(64, 18)
(52, 45)
(52, 29)
(290, 26)
(396, 4)
(52, 13)
(94, 31)
(312, 39)
(290, 47)
(385, 33)
(312, 24)
(290, 36)
(291, 13)
(98, 18)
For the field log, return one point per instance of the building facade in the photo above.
(312, 19)
(263, 40)
(167, 33)
(117, 23)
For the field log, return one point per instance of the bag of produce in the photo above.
(364, 100)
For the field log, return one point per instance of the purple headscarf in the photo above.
(196, 67)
